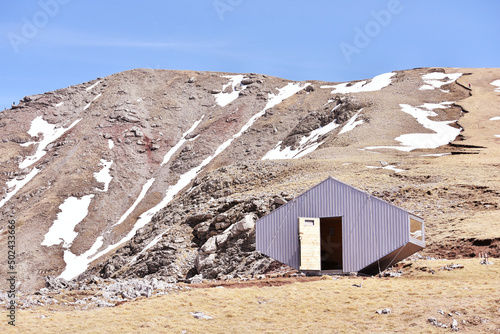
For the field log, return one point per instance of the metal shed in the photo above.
(336, 227)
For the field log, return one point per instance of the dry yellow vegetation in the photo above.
(471, 295)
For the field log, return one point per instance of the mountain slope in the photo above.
(165, 166)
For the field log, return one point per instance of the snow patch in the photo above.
(306, 145)
(329, 101)
(50, 132)
(443, 132)
(103, 175)
(497, 118)
(95, 98)
(352, 123)
(496, 83)
(18, 184)
(77, 264)
(438, 79)
(435, 155)
(377, 83)
(149, 245)
(144, 190)
(59, 104)
(223, 99)
(73, 211)
(389, 167)
(89, 88)
(181, 142)
(111, 144)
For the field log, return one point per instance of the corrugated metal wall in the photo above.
(371, 228)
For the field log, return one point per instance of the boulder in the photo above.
(244, 225)
(279, 201)
(196, 279)
(247, 81)
(54, 283)
(137, 131)
(210, 246)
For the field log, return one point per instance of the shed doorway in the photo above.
(331, 243)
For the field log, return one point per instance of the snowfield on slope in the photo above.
(496, 83)
(223, 99)
(352, 123)
(310, 143)
(50, 133)
(181, 142)
(139, 198)
(73, 211)
(306, 145)
(90, 103)
(443, 132)
(377, 83)
(437, 79)
(103, 175)
(17, 185)
(389, 167)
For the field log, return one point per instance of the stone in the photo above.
(309, 88)
(454, 325)
(221, 226)
(196, 279)
(210, 246)
(221, 217)
(195, 219)
(105, 304)
(128, 134)
(452, 267)
(247, 81)
(137, 131)
(221, 239)
(215, 91)
(384, 311)
(54, 283)
(279, 201)
(130, 119)
(202, 228)
(246, 224)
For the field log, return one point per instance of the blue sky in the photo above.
(51, 44)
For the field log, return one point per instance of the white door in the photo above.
(310, 245)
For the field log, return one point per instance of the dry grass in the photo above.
(324, 306)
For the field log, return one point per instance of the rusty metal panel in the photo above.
(371, 228)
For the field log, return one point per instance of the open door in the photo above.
(331, 243)
(310, 247)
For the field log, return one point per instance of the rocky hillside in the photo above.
(162, 173)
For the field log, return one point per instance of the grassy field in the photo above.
(470, 294)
